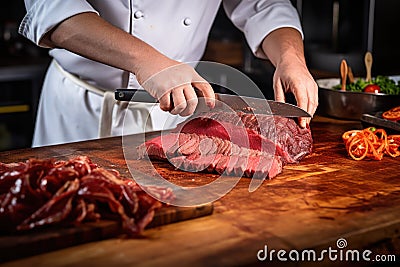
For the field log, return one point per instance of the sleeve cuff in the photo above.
(268, 20)
(43, 15)
(256, 19)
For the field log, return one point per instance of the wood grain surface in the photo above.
(310, 205)
(32, 243)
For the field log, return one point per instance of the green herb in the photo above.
(387, 85)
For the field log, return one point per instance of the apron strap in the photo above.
(105, 121)
(94, 89)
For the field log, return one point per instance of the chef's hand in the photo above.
(172, 84)
(293, 76)
(284, 47)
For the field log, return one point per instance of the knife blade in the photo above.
(237, 103)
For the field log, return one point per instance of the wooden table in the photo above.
(309, 206)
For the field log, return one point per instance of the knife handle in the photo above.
(140, 95)
(124, 94)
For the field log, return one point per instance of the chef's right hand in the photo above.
(172, 83)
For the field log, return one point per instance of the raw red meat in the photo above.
(264, 133)
(238, 144)
(37, 193)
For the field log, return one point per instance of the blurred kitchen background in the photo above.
(333, 30)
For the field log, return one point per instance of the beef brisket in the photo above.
(239, 144)
(257, 132)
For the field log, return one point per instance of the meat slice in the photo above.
(268, 165)
(178, 162)
(231, 164)
(222, 164)
(207, 146)
(260, 167)
(190, 146)
(240, 166)
(157, 147)
(214, 162)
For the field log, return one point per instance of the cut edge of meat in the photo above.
(208, 136)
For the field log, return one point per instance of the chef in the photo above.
(100, 45)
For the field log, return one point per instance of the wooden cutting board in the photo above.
(36, 242)
(310, 205)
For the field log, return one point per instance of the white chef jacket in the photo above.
(178, 29)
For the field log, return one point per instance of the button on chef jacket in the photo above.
(178, 29)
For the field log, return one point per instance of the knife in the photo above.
(237, 103)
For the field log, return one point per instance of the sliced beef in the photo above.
(190, 146)
(228, 158)
(261, 167)
(232, 144)
(207, 146)
(158, 147)
(260, 132)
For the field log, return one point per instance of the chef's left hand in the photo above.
(284, 48)
(293, 76)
